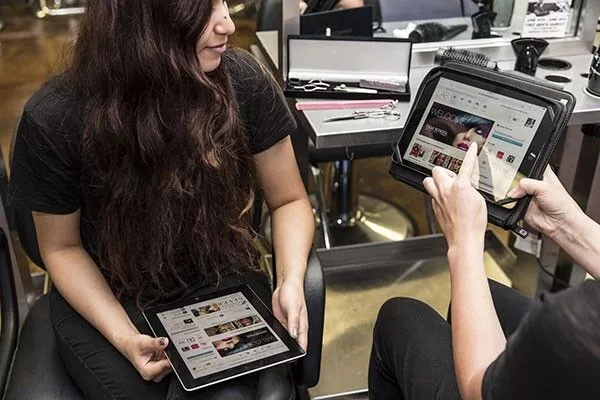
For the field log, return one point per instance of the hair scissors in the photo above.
(310, 86)
(386, 112)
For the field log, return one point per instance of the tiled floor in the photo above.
(352, 308)
(31, 50)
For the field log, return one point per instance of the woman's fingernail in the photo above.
(164, 341)
(511, 193)
(295, 333)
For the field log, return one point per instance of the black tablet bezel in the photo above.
(537, 145)
(188, 382)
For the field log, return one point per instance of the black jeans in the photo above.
(411, 358)
(101, 372)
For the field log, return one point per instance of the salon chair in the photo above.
(37, 370)
(268, 15)
(344, 216)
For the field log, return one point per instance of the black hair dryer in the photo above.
(484, 5)
(528, 51)
(482, 24)
(594, 79)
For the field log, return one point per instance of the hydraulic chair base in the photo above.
(375, 221)
(349, 218)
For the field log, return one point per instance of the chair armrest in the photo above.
(9, 311)
(306, 371)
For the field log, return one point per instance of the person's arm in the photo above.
(292, 231)
(80, 282)
(579, 238)
(350, 3)
(477, 337)
(554, 213)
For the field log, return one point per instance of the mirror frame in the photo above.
(498, 49)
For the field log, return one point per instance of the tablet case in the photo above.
(561, 102)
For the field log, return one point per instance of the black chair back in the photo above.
(268, 16)
(374, 4)
(9, 308)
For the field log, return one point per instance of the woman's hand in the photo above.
(459, 208)
(147, 355)
(289, 307)
(551, 207)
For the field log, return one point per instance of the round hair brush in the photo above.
(446, 54)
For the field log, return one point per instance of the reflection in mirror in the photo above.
(310, 6)
(451, 20)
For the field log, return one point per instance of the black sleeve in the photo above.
(44, 174)
(263, 107)
(554, 354)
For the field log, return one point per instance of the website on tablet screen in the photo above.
(219, 334)
(458, 115)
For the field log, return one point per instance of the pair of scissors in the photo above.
(354, 115)
(311, 86)
(388, 114)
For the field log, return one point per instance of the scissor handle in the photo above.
(387, 114)
(311, 88)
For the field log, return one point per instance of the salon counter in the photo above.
(374, 131)
(579, 164)
(267, 40)
(371, 131)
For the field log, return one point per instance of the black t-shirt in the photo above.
(46, 170)
(555, 352)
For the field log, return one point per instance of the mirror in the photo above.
(425, 21)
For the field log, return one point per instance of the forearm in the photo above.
(350, 3)
(293, 230)
(477, 337)
(80, 282)
(580, 240)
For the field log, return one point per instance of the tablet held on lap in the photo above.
(221, 336)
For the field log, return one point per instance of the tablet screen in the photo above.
(458, 115)
(219, 334)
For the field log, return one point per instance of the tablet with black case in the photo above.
(516, 122)
(221, 336)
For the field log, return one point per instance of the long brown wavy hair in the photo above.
(163, 148)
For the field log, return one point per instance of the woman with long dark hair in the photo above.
(141, 164)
